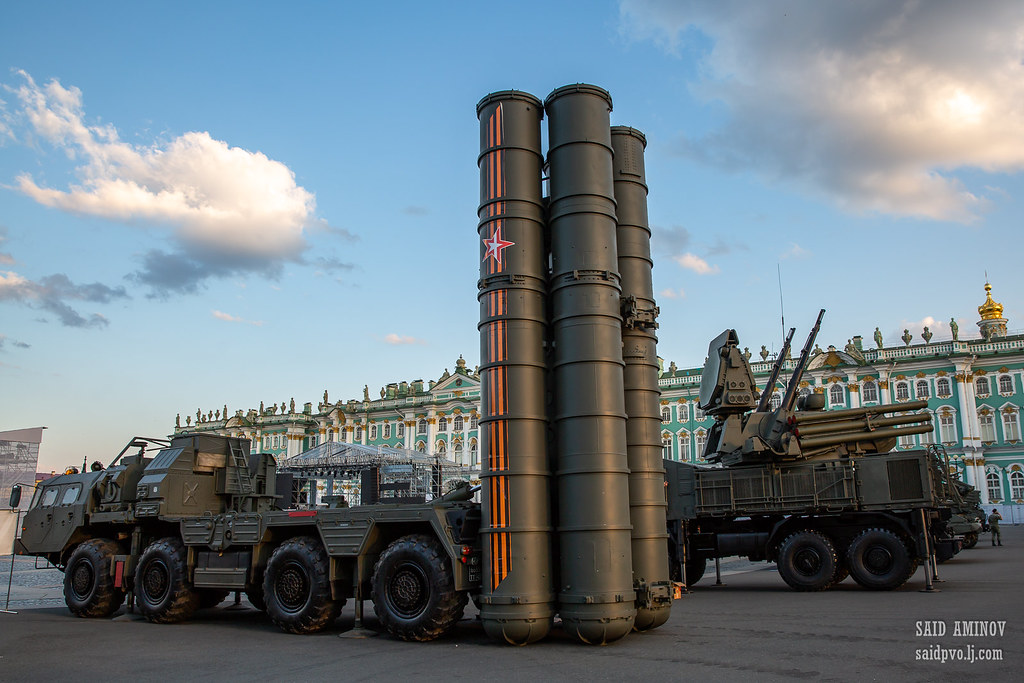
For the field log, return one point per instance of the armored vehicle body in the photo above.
(817, 492)
(179, 530)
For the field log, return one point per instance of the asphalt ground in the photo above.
(754, 628)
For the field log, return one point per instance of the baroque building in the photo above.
(438, 417)
(974, 387)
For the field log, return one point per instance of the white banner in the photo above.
(8, 526)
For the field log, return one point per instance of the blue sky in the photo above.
(225, 203)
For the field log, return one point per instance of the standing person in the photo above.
(993, 523)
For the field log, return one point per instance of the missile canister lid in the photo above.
(626, 130)
(579, 88)
(509, 95)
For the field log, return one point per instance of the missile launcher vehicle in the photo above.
(178, 530)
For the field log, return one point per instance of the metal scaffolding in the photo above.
(402, 474)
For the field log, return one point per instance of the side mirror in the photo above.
(15, 495)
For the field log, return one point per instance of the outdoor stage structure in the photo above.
(573, 484)
(364, 475)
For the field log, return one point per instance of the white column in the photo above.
(431, 431)
(884, 395)
(853, 389)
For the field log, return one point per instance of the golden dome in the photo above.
(990, 310)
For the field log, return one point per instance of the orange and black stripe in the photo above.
(497, 352)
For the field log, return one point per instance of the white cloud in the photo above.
(696, 264)
(227, 317)
(939, 329)
(672, 294)
(875, 104)
(795, 251)
(398, 340)
(223, 204)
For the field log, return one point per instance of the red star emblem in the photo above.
(495, 245)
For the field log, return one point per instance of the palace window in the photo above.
(981, 386)
(400, 429)
(387, 430)
(1011, 428)
(457, 423)
(359, 433)
(312, 442)
(928, 438)
(421, 426)
(947, 428)
(666, 414)
(995, 487)
(942, 387)
(442, 424)
(473, 421)
(836, 395)
(922, 389)
(683, 411)
(277, 442)
(988, 427)
(684, 446)
(870, 392)
(421, 447)
(907, 441)
(474, 457)
(698, 414)
(1005, 384)
(775, 401)
(702, 438)
(666, 446)
(458, 453)
(1016, 485)
(440, 449)
(902, 391)
(373, 432)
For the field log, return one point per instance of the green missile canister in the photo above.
(647, 505)
(517, 601)
(595, 588)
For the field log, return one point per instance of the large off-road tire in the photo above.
(970, 540)
(88, 582)
(254, 594)
(297, 587)
(695, 567)
(414, 592)
(879, 559)
(162, 591)
(211, 597)
(807, 561)
(842, 571)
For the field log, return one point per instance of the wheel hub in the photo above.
(82, 579)
(156, 581)
(807, 562)
(407, 590)
(878, 560)
(292, 587)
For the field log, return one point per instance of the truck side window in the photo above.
(49, 497)
(70, 494)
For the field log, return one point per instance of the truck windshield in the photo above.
(49, 496)
(70, 494)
